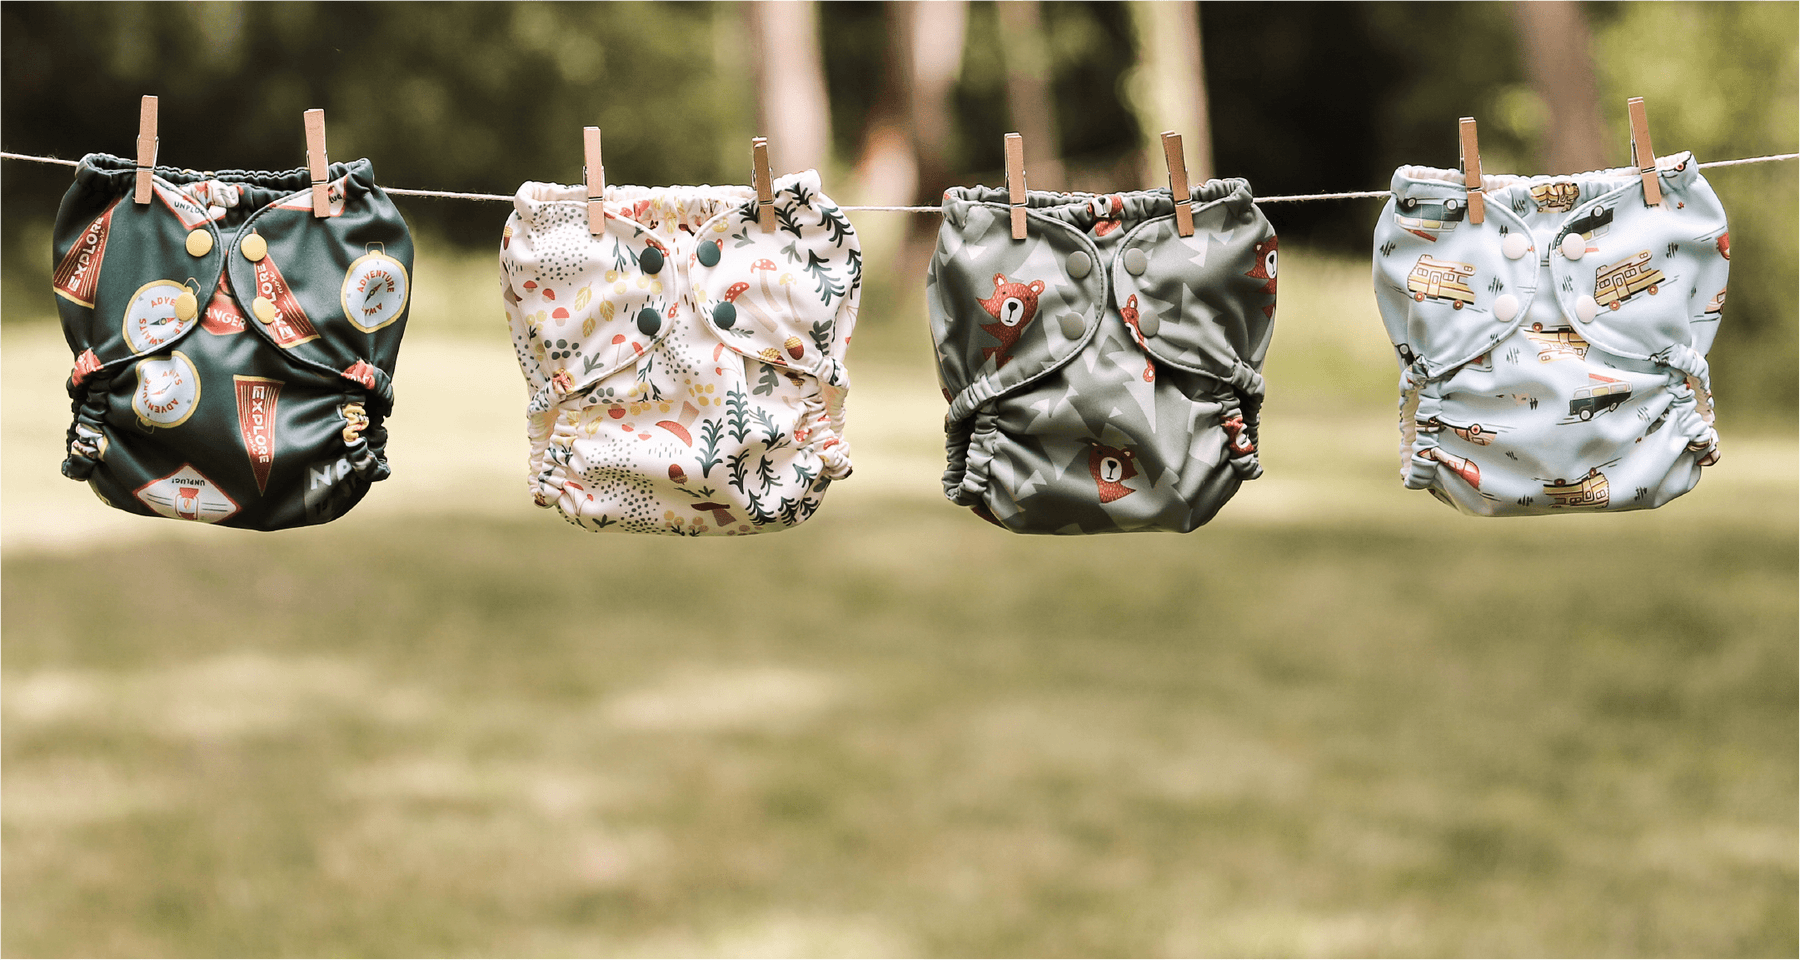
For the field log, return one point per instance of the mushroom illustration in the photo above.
(721, 512)
(734, 291)
(682, 424)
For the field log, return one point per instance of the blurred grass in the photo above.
(1340, 720)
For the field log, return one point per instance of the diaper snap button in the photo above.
(1080, 264)
(1148, 324)
(199, 243)
(1515, 246)
(264, 308)
(725, 315)
(1072, 325)
(254, 247)
(1136, 262)
(649, 321)
(708, 254)
(1574, 247)
(1506, 307)
(651, 261)
(1586, 309)
(186, 307)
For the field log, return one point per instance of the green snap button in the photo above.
(649, 321)
(708, 254)
(651, 261)
(725, 315)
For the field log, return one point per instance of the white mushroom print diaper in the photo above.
(685, 366)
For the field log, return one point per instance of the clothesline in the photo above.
(1293, 198)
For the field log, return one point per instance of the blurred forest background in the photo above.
(1340, 720)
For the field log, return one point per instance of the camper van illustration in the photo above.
(1441, 280)
(1437, 216)
(1557, 344)
(1589, 491)
(1715, 305)
(1558, 196)
(1618, 282)
(1464, 468)
(1474, 433)
(1600, 395)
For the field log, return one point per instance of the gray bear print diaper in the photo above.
(1103, 374)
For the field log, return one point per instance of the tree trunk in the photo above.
(1168, 87)
(1028, 97)
(1553, 36)
(792, 109)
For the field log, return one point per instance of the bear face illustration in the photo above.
(1111, 467)
(1267, 256)
(1013, 306)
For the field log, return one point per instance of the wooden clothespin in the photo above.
(1015, 182)
(1178, 183)
(146, 149)
(316, 162)
(1469, 156)
(1643, 156)
(593, 173)
(765, 184)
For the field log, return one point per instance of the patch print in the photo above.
(168, 390)
(257, 398)
(187, 494)
(375, 291)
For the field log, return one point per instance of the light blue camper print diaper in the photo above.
(1553, 356)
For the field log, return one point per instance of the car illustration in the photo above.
(1556, 344)
(1591, 224)
(1560, 195)
(1589, 491)
(1616, 283)
(1466, 469)
(1474, 432)
(1715, 305)
(1412, 213)
(1600, 395)
(1441, 280)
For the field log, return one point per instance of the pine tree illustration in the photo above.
(765, 473)
(802, 476)
(739, 406)
(772, 436)
(766, 384)
(802, 196)
(828, 285)
(735, 464)
(709, 445)
(821, 335)
(837, 225)
(784, 216)
(792, 252)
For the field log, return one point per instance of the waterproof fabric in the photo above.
(234, 354)
(1553, 356)
(1103, 374)
(685, 367)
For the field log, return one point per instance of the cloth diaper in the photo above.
(234, 353)
(1103, 374)
(685, 367)
(1553, 356)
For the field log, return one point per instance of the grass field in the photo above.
(1341, 720)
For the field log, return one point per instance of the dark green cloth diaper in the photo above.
(233, 352)
(1103, 374)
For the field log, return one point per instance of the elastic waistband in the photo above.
(1412, 181)
(658, 207)
(1082, 209)
(107, 172)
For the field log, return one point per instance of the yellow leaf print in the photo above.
(584, 297)
(587, 327)
(606, 310)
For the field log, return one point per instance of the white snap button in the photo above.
(1073, 326)
(1136, 262)
(1586, 309)
(1574, 247)
(1148, 324)
(1079, 264)
(1506, 307)
(1515, 246)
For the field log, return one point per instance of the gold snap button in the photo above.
(199, 243)
(186, 307)
(264, 308)
(254, 247)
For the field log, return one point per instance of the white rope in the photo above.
(1294, 198)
